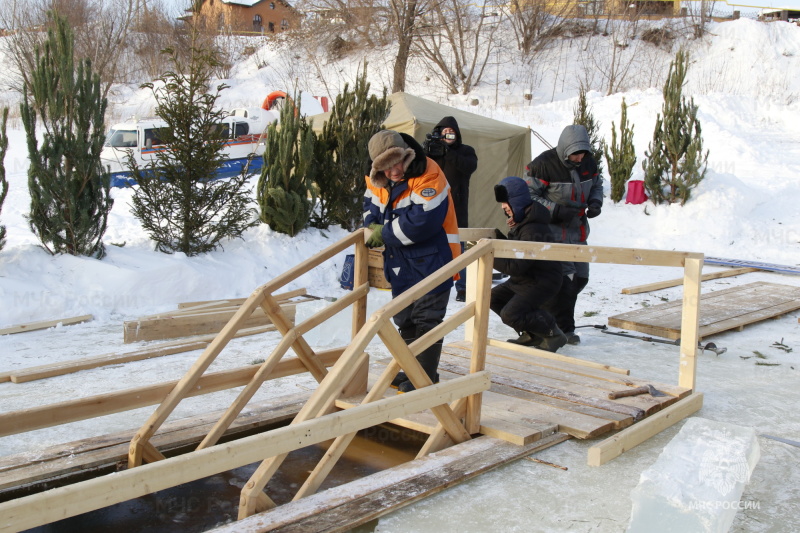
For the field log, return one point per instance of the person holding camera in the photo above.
(566, 181)
(458, 161)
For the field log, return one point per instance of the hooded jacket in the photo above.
(420, 232)
(458, 164)
(535, 228)
(554, 180)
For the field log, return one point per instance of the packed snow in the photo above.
(745, 78)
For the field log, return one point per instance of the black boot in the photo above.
(552, 340)
(429, 359)
(526, 339)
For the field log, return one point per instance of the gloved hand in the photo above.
(593, 210)
(376, 239)
(564, 213)
(499, 234)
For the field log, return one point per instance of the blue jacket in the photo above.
(420, 231)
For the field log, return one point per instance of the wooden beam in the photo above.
(370, 497)
(239, 301)
(475, 234)
(198, 323)
(590, 254)
(480, 336)
(33, 326)
(187, 383)
(628, 438)
(675, 282)
(115, 402)
(420, 379)
(555, 356)
(64, 502)
(67, 367)
(690, 323)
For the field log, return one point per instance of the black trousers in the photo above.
(521, 305)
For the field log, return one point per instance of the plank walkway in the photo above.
(720, 311)
(533, 396)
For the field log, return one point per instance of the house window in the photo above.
(284, 24)
(272, 27)
(257, 23)
(272, 5)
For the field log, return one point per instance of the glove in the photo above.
(499, 234)
(376, 239)
(593, 210)
(564, 213)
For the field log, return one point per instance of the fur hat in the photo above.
(514, 191)
(386, 149)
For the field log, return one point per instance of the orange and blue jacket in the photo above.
(420, 232)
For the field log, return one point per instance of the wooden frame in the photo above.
(451, 402)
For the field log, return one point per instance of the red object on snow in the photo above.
(270, 100)
(636, 194)
(323, 101)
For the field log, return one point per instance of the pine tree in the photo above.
(179, 201)
(675, 163)
(355, 118)
(289, 166)
(582, 114)
(622, 156)
(3, 182)
(70, 198)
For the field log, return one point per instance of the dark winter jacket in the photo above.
(534, 228)
(555, 181)
(420, 233)
(458, 164)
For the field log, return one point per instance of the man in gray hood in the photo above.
(565, 180)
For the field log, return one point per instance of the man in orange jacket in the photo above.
(408, 207)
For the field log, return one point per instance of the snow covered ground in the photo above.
(745, 77)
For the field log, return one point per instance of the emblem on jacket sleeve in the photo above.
(428, 192)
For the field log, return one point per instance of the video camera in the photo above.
(434, 145)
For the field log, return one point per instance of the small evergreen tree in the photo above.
(582, 114)
(675, 163)
(355, 118)
(622, 156)
(3, 182)
(70, 198)
(289, 168)
(179, 201)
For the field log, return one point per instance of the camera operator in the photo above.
(458, 161)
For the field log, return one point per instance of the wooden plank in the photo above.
(369, 498)
(554, 390)
(64, 502)
(658, 285)
(67, 367)
(554, 356)
(44, 324)
(475, 234)
(239, 301)
(115, 402)
(497, 355)
(626, 439)
(720, 310)
(106, 450)
(607, 381)
(171, 327)
(589, 254)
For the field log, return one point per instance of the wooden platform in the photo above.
(720, 311)
(533, 396)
